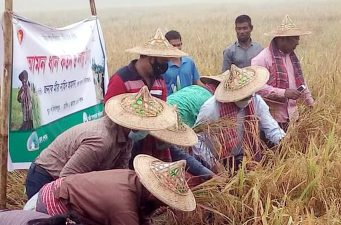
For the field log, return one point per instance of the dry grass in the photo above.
(300, 184)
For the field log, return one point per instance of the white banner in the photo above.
(60, 64)
(58, 81)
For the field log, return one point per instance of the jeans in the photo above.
(193, 165)
(36, 178)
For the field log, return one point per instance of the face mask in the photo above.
(243, 103)
(137, 135)
(159, 68)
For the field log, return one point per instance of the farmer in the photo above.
(284, 87)
(146, 70)
(235, 102)
(25, 98)
(244, 49)
(182, 71)
(120, 196)
(101, 144)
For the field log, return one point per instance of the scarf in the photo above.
(278, 72)
(229, 135)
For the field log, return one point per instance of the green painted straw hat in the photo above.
(140, 111)
(241, 83)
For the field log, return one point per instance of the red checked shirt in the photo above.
(127, 80)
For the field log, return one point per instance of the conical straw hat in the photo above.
(166, 181)
(158, 46)
(241, 83)
(215, 79)
(179, 134)
(287, 28)
(140, 111)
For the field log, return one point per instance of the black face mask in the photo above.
(159, 68)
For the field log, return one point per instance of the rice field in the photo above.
(300, 183)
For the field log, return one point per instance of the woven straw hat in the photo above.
(179, 134)
(241, 83)
(287, 28)
(140, 111)
(216, 79)
(166, 181)
(158, 46)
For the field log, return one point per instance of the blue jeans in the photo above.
(36, 178)
(194, 166)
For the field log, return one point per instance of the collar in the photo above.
(238, 44)
(183, 60)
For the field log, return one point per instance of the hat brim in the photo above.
(163, 53)
(211, 79)
(214, 79)
(119, 115)
(223, 95)
(152, 184)
(181, 138)
(287, 33)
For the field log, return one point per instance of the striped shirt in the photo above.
(127, 80)
(47, 195)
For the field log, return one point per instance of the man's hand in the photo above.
(292, 94)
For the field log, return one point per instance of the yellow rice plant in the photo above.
(299, 182)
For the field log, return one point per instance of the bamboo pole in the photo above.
(93, 7)
(5, 97)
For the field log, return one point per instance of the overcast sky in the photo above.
(37, 5)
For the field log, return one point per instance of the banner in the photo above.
(58, 81)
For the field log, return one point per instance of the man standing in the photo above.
(146, 70)
(286, 84)
(182, 71)
(240, 115)
(242, 51)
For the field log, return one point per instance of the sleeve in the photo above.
(209, 111)
(193, 165)
(227, 60)
(272, 93)
(115, 87)
(308, 99)
(267, 123)
(86, 158)
(268, 91)
(196, 75)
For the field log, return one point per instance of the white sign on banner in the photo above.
(58, 81)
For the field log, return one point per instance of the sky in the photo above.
(36, 5)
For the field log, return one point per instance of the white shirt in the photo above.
(210, 112)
